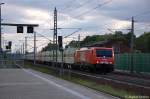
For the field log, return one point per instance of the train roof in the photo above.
(89, 48)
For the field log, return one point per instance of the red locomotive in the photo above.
(96, 58)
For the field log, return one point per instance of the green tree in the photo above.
(143, 42)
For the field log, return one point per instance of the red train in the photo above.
(95, 58)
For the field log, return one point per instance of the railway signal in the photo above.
(9, 43)
(30, 29)
(60, 45)
(7, 47)
(19, 29)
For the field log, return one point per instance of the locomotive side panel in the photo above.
(84, 57)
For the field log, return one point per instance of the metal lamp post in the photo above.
(0, 29)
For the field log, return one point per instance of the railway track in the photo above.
(136, 75)
(127, 82)
(118, 78)
(130, 83)
(129, 79)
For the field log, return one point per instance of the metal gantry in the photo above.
(55, 39)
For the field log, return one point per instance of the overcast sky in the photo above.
(93, 16)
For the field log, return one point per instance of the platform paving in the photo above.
(30, 84)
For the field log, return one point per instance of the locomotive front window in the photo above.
(103, 53)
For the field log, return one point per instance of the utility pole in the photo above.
(55, 39)
(23, 55)
(132, 34)
(62, 64)
(0, 29)
(79, 41)
(25, 47)
(132, 44)
(3, 42)
(34, 47)
(21, 49)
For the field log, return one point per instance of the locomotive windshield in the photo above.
(103, 53)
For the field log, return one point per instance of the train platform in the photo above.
(31, 84)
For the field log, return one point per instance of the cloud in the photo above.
(124, 9)
(119, 24)
(77, 14)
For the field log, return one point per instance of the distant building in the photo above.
(119, 46)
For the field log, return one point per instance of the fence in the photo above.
(139, 61)
(9, 60)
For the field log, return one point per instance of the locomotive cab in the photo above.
(104, 59)
(100, 59)
(104, 56)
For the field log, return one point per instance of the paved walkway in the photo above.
(30, 84)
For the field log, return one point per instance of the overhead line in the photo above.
(141, 14)
(72, 33)
(83, 4)
(79, 7)
(99, 5)
(68, 5)
(44, 37)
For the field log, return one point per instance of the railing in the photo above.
(10, 60)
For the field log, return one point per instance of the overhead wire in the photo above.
(79, 7)
(68, 5)
(44, 37)
(143, 13)
(99, 5)
(89, 11)
(138, 15)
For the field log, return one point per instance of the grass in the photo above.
(102, 87)
(85, 82)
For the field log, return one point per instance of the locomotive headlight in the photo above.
(97, 62)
